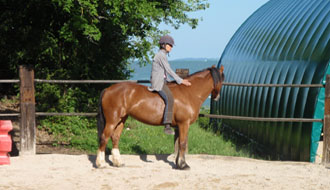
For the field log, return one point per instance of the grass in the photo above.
(204, 141)
(139, 138)
(144, 139)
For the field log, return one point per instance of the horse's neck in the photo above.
(201, 87)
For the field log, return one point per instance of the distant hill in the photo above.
(195, 59)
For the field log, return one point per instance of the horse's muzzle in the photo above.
(217, 98)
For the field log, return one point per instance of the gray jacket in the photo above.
(161, 70)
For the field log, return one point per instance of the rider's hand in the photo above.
(186, 82)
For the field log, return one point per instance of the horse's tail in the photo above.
(100, 118)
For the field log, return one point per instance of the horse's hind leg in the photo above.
(116, 160)
(100, 159)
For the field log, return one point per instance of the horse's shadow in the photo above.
(143, 157)
(92, 159)
(163, 157)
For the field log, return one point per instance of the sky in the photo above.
(209, 39)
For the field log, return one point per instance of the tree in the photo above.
(85, 39)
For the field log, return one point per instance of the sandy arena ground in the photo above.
(61, 172)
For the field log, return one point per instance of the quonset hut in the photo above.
(283, 42)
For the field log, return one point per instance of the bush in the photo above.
(56, 98)
(77, 132)
(204, 122)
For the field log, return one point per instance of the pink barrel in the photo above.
(5, 141)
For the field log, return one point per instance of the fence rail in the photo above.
(148, 81)
(27, 102)
(9, 81)
(270, 119)
(277, 85)
(65, 114)
(88, 81)
(10, 114)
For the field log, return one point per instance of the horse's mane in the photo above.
(197, 72)
(214, 72)
(191, 75)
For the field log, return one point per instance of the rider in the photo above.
(160, 75)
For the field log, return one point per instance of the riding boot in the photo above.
(168, 130)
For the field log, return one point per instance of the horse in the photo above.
(121, 100)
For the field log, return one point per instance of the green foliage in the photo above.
(77, 132)
(56, 34)
(204, 141)
(138, 138)
(62, 99)
(12, 101)
(204, 122)
(83, 39)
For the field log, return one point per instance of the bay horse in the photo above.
(121, 100)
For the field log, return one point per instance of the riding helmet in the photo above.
(167, 39)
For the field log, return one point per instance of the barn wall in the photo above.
(283, 42)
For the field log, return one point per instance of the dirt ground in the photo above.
(55, 168)
(62, 171)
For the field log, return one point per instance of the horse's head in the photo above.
(218, 78)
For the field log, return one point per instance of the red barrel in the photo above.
(5, 141)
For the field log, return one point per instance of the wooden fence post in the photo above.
(182, 72)
(326, 125)
(27, 117)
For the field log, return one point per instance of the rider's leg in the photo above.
(169, 111)
(167, 117)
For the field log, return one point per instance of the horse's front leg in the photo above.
(116, 159)
(183, 144)
(176, 142)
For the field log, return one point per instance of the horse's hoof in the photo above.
(186, 167)
(119, 165)
(100, 165)
(183, 167)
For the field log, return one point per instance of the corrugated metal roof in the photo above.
(283, 42)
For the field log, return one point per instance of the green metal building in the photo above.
(283, 42)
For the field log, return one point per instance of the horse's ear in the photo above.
(221, 69)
